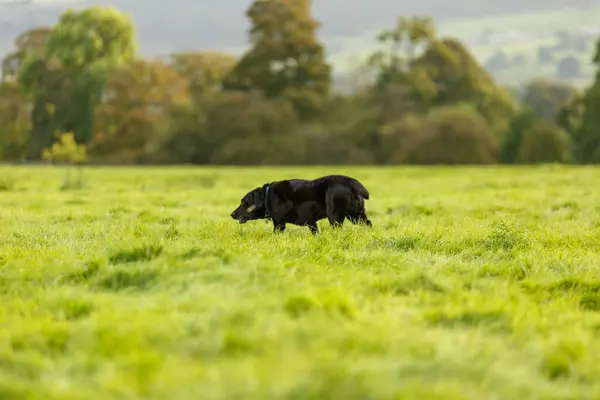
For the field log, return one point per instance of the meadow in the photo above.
(474, 283)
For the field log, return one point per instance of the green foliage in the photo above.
(92, 38)
(395, 79)
(204, 71)
(15, 123)
(570, 119)
(250, 129)
(273, 105)
(545, 142)
(140, 97)
(233, 128)
(402, 43)
(472, 284)
(570, 114)
(458, 78)
(402, 138)
(67, 151)
(88, 44)
(29, 45)
(442, 74)
(511, 141)
(447, 135)
(67, 69)
(454, 135)
(547, 98)
(588, 132)
(286, 58)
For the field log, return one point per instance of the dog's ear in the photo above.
(258, 197)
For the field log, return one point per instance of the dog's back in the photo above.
(344, 180)
(315, 190)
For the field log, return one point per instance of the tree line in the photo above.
(418, 99)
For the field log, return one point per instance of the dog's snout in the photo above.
(232, 215)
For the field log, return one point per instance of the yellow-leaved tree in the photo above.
(68, 152)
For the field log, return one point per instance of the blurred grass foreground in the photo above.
(475, 283)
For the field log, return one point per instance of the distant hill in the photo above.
(167, 26)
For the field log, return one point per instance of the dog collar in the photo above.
(267, 211)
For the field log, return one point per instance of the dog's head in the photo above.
(252, 206)
(263, 202)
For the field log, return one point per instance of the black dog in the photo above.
(304, 202)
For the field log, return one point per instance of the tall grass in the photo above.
(475, 283)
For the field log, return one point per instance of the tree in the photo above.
(51, 90)
(409, 34)
(67, 151)
(14, 123)
(26, 67)
(587, 136)
(545, 143)
(419, 30)
(569, 116)
(204, 71)
(245, 128)
(184, 139)
(446, 135)
(404, 138)
(93, 38)
(137, 100)
(240, 128)
(30, 43)
(400, 90)
(452, 76)
(458, 135)
(546, 98)
(511, 141)
(87, 45)
(286, 58)
(65, 74)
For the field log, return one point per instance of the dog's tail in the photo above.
(359, 189)
(354, 185)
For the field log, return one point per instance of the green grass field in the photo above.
(475, 283)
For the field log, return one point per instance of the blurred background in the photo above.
(274, 82)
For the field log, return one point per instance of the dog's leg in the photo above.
(354, 218)
(335, 207)
(360, 218)
(336, 220)
(367, 220)
(357, 214)
(278, 227)
(335, 217)
(314, 229)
